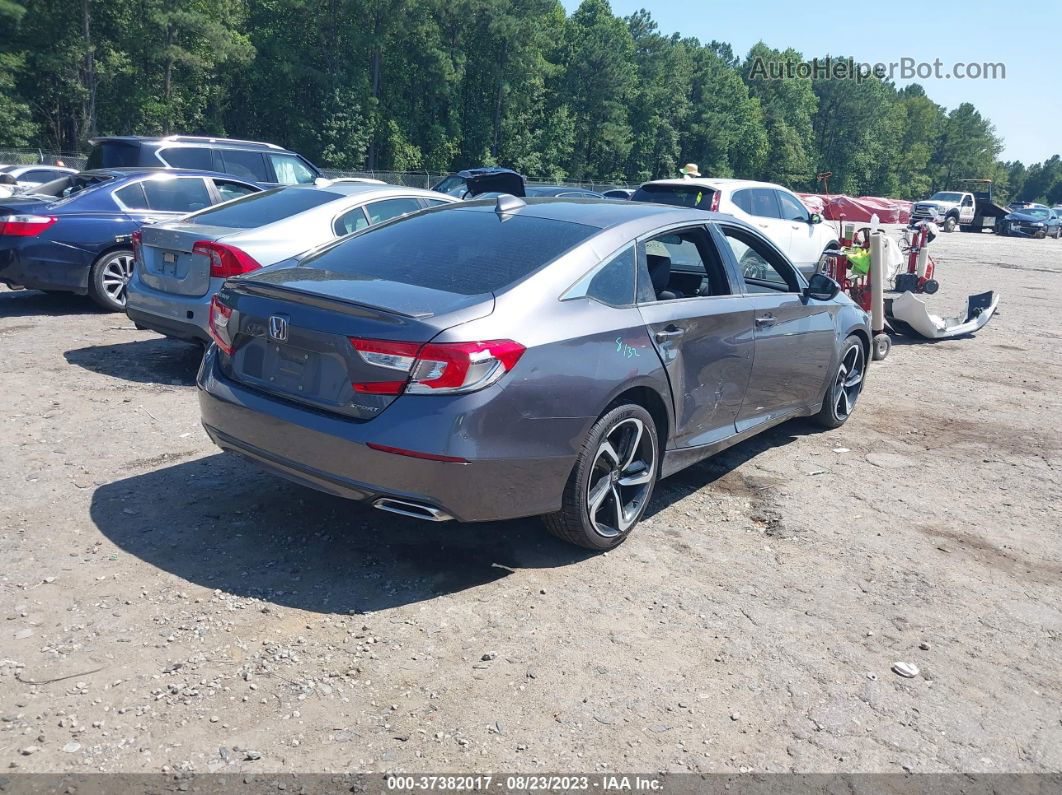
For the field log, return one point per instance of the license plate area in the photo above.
(292, 369)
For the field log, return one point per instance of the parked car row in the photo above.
(442, 355)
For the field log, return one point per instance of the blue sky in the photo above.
(1026, 107)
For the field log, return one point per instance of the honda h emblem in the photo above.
(278, 328)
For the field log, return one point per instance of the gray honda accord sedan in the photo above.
(498, 359)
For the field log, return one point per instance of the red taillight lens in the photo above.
(220, 317)
(437, 368)
(225, 261)
(715, 202)
(138, 245)
(25, 225)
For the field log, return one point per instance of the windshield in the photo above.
(947, 197)
(259, 209)
(472, 252)
(680, 195)
(1035, 212)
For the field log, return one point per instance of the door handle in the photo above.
(765, 321)
(671, 332)
(762, 226)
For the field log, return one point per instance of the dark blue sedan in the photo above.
(76, 234)
(1031, 221)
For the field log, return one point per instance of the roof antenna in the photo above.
(507, 203)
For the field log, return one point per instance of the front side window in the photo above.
(611, 283)
(290, 170)
(792, 209)
(387, 209)
(181, 195)
(680, 264)
(763, 270)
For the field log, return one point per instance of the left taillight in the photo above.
(441, 368)
(714, 207)
(225, 261)
(138, 247)
(220, 318)
(25, 225)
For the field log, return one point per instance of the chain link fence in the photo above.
(410, 179)
(35, 157)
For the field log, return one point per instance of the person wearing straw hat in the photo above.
(689, 171)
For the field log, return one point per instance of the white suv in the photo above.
(777, 212)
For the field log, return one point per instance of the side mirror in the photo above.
(822, 288)
(815, 218)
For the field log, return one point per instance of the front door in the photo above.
(701, 328)
(795, 338)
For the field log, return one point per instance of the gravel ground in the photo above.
(165, 607)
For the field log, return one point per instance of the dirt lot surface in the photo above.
(165, 607)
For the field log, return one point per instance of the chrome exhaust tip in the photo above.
(412, 509)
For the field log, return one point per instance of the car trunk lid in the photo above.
(294, 343)
(168, 262)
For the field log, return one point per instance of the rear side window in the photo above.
(263, 208)
(228, 190)
(184, 195)
(113, 154)
(245, 164)
(290, 170)
(696, 196)
(132, 196)
(350, 221)
(387, 209)
(468, 252)
(187, 157)
(611, 283)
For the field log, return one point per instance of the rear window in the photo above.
(456, 251)
(696, 196)
(263, 208)
(195, 157)
(113, 154)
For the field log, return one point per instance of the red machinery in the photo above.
(850, 268)
(920, 266)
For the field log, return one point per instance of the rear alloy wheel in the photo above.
(612, 480)
(109, 279)
(841, 397)
(830, 250)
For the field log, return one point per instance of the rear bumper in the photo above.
(44, 265)
(330, 454)
(184, 317)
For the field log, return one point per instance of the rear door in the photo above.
(795, 339)
(701, 327)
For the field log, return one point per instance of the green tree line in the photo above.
(444, 84)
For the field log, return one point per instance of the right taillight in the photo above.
(220, 318)
(138, 247)
(714, 207)
(25, 225)
(225, 261)
(440, 368)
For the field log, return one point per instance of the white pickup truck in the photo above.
(947, 209)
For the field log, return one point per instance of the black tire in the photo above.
(881, 346)
(931, 286)
(841, 396)
(1042, 234)
(109, 277)
(950, 223)
(623, 425)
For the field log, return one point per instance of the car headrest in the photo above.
(659, 270)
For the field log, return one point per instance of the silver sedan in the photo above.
(181, 264)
